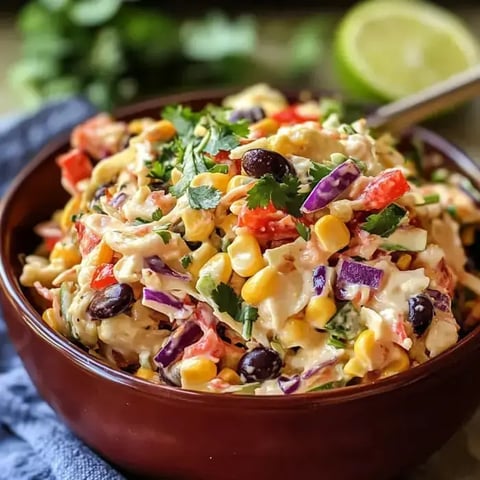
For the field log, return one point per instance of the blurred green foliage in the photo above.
(113, 52)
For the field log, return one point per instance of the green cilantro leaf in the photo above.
(203, 197)
(165, 235)
(140, 220)
(318, 171)
(97, 208)
(161, 167)
(393, 247)
(344, 325)
(186, 260)
(226, 299)
(303, 231)
(157, 214)
(229, 302)
(219, 168)
(284, 195)
(224, 135)
(183, 118)
(385, 222)
(193, 164)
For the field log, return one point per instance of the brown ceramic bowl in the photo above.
(363, 432)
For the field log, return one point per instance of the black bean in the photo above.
(157, 185)
(253, 114)
(111, 301)
(258, 162)
(420, 313)
(259, 364)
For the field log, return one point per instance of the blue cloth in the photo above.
(34, 443)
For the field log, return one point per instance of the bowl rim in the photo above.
(27, 313)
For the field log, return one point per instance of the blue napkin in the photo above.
(34, 443)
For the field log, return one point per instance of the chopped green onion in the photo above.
(429, 199)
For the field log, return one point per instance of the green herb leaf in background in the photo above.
(217, 37)
(90, 13)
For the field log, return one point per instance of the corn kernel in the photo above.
(365, 347)
(298, 333)
(160, 131)
(196, 371)
(260, 286)
(332, 233)
(70, 209)
(218, 267)
(404, 261)
(354, 368)
(50, 318)
(199, 224)
(237, 181)
(237, 206)
(228, 224)
(68, 254)
(468, 236)
(400, 364)
(175, 175)
(104, 254)
(137, 126)
(215, 180)
(205, 251)
(230, 376)
(245, 255)
(266, 126)
(319, 311)
(145, 373)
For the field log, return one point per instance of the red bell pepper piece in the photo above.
(86, 238)
(103, 276)
(291, 115)
(75, 166)
(51, 241)
(384, 189)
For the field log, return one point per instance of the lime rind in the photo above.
(355, 69)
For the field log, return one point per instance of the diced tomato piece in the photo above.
(103, 276)
(210, 345)
(223, 156)
(51, 241)
(86, 238)
(75, 166)
(100, 136)
(384, 189)
(291, 115)
(268, 223)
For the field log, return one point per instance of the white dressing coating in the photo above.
(121, 215)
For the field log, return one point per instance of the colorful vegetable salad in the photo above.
(257, 247)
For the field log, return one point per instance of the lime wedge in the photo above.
(390, 48)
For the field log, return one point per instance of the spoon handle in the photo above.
(399, 115)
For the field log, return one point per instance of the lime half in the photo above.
(390, 48)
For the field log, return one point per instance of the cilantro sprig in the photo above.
(190, 149)
(229, 302)
(203, 197)
(385, 222)
(284, 195)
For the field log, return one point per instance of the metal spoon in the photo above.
(401, 114)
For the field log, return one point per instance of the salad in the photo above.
(257, 247)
